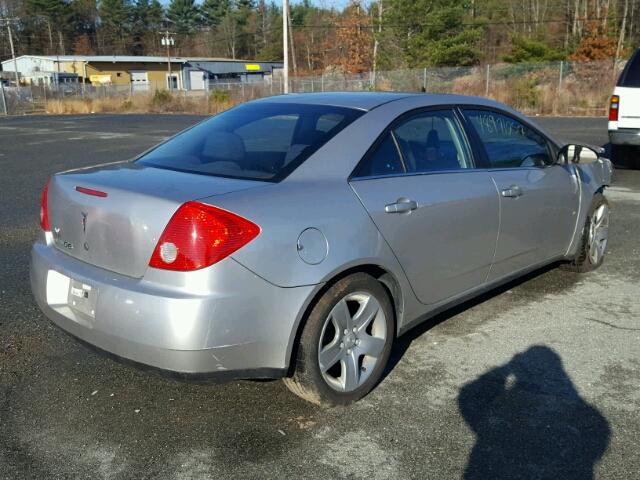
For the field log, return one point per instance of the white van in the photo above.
(624, 115)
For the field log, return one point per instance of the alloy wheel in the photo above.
(353, 338)
(598, 234)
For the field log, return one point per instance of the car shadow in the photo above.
(620, 157)
(530, 422)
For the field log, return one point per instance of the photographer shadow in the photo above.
(530, 422)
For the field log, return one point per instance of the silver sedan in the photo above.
(298, 236)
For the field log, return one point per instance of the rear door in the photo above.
(436, 211)
(538, 198)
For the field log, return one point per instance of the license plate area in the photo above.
(82, 298)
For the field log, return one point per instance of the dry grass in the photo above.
(157, 102)
(534, 91)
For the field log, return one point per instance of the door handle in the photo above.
(513, 191)
(402, 205)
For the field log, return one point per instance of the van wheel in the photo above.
(345, 344)
(595, 236)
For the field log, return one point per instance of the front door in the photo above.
(172, 81)
(438, 214)
(538, 197)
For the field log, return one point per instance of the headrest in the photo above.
(433, 139)
(224, 146)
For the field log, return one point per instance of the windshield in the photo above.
(257, 141)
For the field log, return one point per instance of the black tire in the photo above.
(307, 380)
(582, 262)
(624, 156)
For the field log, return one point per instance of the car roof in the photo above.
(370, 100)
(359, 100)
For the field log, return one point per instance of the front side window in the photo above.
(432, 141)
(509, 143)
(257, 141)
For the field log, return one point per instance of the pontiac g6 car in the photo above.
(298, 236)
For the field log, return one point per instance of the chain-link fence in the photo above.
(558, 88)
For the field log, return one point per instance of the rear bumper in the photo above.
(627, 136)
(235, 325)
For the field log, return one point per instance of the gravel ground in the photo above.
(539, 379)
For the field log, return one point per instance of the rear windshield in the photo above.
(257, 141)
(630, 76)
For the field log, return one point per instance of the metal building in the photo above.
(141, 72)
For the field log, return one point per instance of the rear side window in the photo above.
(432, 141)
(630, 76)
(257, 141)
(429, 141)
(509, 143)
(384, 160)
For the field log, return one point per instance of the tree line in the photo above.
(381, 34)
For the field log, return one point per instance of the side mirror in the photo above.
(578, 154)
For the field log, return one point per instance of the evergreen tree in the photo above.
(434, 32)
(531, 50)
(185, 15)
(115, 13)
(115, 24)
(55, 16)
(214, 11)
(147, 19)
(155, 14)
(269, 31)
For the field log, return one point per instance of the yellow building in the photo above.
(139, 72)
(115, 70)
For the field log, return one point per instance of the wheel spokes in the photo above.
(341, 316)
(330, 355)
(601, 235)
(598, 234)
(371, 346)
(600, 216)
(350, 372)
(367, 312)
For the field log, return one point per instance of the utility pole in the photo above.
(376, 45)
(4, 99)
(167, 40)
(291, 42)
(285, 43)
(13, 53)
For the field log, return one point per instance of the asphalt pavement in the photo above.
(539, 379)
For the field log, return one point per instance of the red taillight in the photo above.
(200, 235)
(44, 208)
(614, 106)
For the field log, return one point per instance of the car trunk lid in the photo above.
(112, 216)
